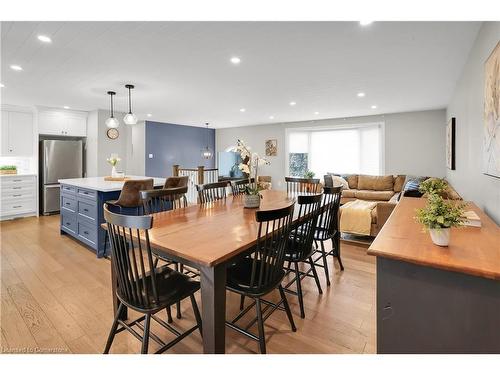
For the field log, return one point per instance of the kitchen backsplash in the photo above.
(24, 165)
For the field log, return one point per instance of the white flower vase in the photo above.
(251, 200)
(113, 172)
(441, 236)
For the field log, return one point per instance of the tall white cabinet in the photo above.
(17, 134)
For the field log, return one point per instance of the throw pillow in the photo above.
(411, 186)
(340, 181)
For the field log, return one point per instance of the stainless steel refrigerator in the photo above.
(58, 160)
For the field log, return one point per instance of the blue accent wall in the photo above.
(176, 144)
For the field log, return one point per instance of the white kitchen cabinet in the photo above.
(18, 196)
(17, 133)
(63, 123)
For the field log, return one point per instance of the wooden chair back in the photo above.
(176, 181)
(238, 187)
(328, 221)
(158, 200)
(132, 259)
(269, 254)
(212, 192)
(296, 185)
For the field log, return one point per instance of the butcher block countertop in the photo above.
(474, 251)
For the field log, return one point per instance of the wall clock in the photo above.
(112, 133)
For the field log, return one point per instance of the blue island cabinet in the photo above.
(82, 215)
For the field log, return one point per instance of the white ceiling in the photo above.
(183, 74)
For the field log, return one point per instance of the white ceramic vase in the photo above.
(251, 200)
(440, 237)
(113, 171)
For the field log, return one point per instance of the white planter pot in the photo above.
(251, 201)
(440, 237)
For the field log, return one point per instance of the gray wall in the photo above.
(414, 142)
(176, 144)
(467, 106)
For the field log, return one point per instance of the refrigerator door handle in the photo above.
(45, 163)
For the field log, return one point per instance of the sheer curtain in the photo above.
(355, 149)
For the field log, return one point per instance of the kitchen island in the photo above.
(433, 299)
(82, 202)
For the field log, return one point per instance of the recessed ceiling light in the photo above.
(271, 117)
(149, 115)
(2, 85)
(235, 60)
(316, 113)
(66, 107)
(16, 67)
(242, 109)
(44, 38)
(365, 23)
(292, 103)
(361, 94)
(374, 106)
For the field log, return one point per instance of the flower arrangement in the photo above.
(113, 160)
(249, 165)
(438, 216)
(309, 174)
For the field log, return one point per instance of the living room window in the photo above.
(341, 149)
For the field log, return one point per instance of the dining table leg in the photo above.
(213, 300)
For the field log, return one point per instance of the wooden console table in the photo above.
(433, 299)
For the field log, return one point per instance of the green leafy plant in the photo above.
(439, 214)
(433, 186)
(309, 174)
(8, 168)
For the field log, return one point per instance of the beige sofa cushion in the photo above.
(399, 182)
(349, 193)
(366, 182)
(373, 195)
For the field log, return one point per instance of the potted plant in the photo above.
(250, 166)
(438, 216)
(8, 169)
(113, 161)
(309, 174)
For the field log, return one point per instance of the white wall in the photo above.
(414, 142)
(467, 106)
(129, 146)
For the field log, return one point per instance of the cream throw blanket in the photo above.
(356, 217)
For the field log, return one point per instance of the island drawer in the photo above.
(87, 194)
(68, 221)
(68, 203)
(88, 210)
(87, 233)
(68, 189)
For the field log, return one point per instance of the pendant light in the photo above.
(112, 121)
(206, 152)
(130, 118)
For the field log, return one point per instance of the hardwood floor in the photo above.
(56, 298)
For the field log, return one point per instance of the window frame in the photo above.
(319, 128)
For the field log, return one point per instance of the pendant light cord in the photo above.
(112, 114)
(129, 102)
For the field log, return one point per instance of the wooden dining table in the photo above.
(208, 237)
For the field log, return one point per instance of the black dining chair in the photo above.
(140, 285)
(261, 272)
(328, 229)
(212, 192)
(238, 187)
(297, 185)
(158, 200)
(300, 248)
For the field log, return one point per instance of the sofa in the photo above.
(385, 190)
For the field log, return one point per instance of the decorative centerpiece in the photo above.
(438, 216)
(8, 169)
(309, 174)
(250, 166)
(113, 161)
